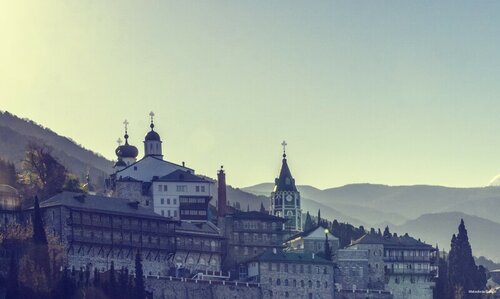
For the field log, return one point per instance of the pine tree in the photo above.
(319, 217)
(463, 273)
(308, 223)
(139, 277)
(262, 209)
(113, 291)
(387, 233)
(328, 250)
(39, 236)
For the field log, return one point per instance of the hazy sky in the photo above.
(394, 92)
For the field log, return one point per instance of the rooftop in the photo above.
(393, 242)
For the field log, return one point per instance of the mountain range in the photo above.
(428, 212)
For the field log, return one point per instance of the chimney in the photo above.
(221, 191)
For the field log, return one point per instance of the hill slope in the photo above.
(16, 133)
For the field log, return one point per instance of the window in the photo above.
(278, 282)
(175, 213)
(310, 284)
(326, 284)
(318, 284)
(159, 187)
(270, 282)
(286, 282)
(295, 283)
(197, 188)
(162, 201)
(162, 213)
(286, 268)
(302, 283)
(202, 188)
(168, 212)
(286, 295)
(165, 188)
(168, 201)
(175, 201)
(181, 188)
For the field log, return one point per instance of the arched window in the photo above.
(270, 281)
(278, 282)
(286, 282)
(310, 284)
(326, 284)
(295, 283)
(302, 283)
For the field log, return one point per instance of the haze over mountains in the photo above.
(428, 212)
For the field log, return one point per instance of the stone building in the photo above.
(96, 230)
(285, 198)
(199, 247)
(352, 269)
(292, 275)
(405, 265)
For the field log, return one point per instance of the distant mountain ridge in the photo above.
(17, 133)
(397, 204)
(437, 228)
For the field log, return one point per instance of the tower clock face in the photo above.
(288, 198)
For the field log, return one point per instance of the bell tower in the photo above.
(152, 141)
(285, 198)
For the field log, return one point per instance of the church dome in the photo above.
(120, 163)
(152, 136)
(126, 151)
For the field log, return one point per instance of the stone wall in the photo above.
(174, 288)
(296, 281)
(411, 286)
(376, 272)
(133, 192)
(352, 269)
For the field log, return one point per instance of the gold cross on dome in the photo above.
(284, 144)
(126, 124)
(152, 115)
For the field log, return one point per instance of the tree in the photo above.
(39, 236)
(139, 277)
(441, 291)
(463, 273)
(319, 217)
(308, 224)
(41, 172)
(328, 249)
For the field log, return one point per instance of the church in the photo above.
(169, 189)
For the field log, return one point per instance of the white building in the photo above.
(169, 189)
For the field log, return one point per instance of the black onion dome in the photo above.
(127, 151)
(120, 163)
(152, 136)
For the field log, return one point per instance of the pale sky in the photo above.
(393, 92)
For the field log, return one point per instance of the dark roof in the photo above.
(285, 182)
(152, 157)
(305, 233)
(392, 242)
(202, 228)
(257, 215)
(152, 136)
(181, 175)
(109, 205)
(290, 257)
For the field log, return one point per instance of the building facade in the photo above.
(292, 275)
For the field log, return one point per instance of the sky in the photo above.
(391, 92)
